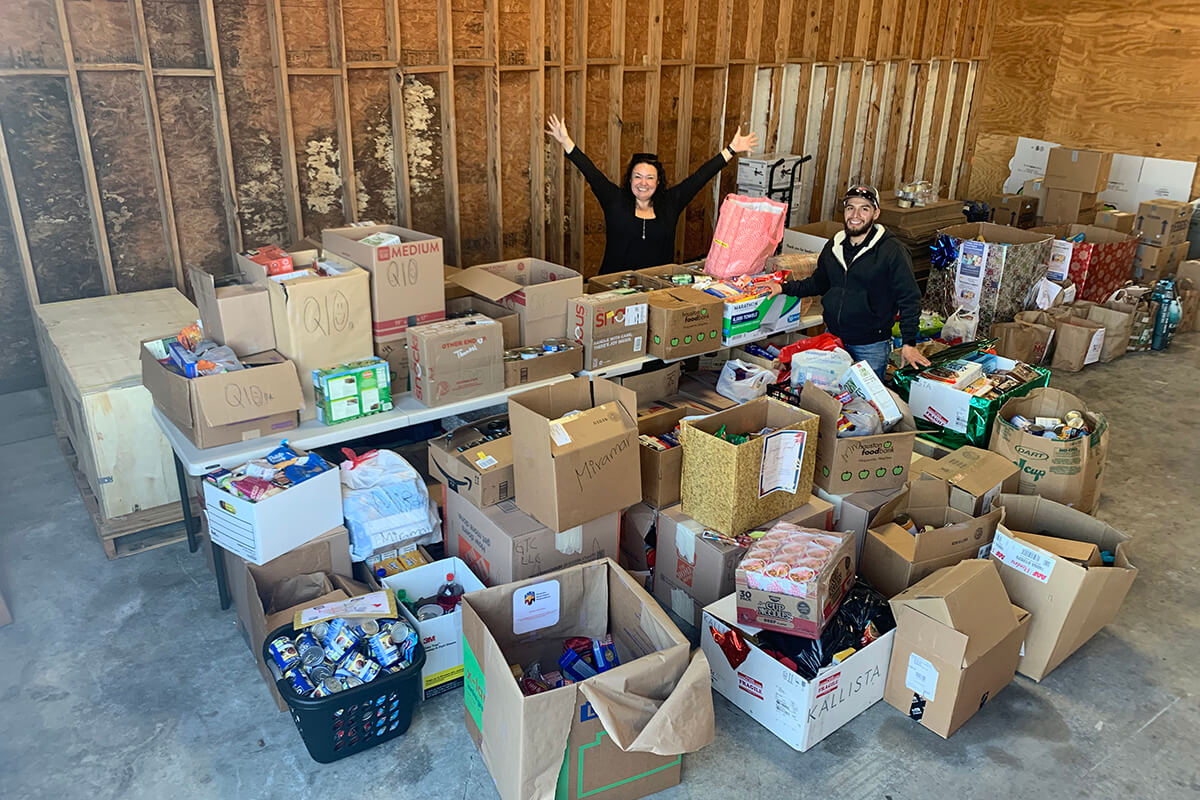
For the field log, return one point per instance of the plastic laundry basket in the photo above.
(354, 719)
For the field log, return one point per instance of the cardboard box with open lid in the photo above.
(957, 642)
(215, 410)
(661, 469)
(975, 477)
(1049, 557)
(483, 473)
(575, 451)
(319, 321)
(611, 326)
(536, 290)
(732, 488)
(858, 463)
(237, 315)
(894, 559)
(406, 277)
(621, 734)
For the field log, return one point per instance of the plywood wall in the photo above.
(1090, 73)
(143, 137)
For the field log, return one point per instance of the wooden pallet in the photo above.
(129, 534)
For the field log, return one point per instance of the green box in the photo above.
(354, 390)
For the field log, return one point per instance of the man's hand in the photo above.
(912, 357)
(743, 144)
(556, 129)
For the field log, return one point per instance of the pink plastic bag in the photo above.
(748, 231)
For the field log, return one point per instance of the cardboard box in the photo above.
(611, 326)
(450, 289)
(319, 321)
(639, 537)
(768, 172)
(1163, 223)
(663, 274)
(1070, 472)
(683, 322)
(238, 316)
(1151, 263)
(1078, 170)
(406, 278)
(1017, 210)
(1070, 601)
(810, 238)
(942, 404)
(1035, 187)
(798, 711)
(456, 359)
(748, 318)
(975, 477)
(509, 322)
(616, 741)
(958, 639)
(625, 279)
(548, 365)
(661, 469)
(797, 609)
(215, 410)
(484, 473)
(894, 559)
(857, 463)
(536, 290)
(854, 512)
(352, 391)
(251, 588)
(1098, 266)
(274, 260)
(862, 382)
(654, 384)
(502, 544)
(692, 571)
(394, 351)
(1067, 207)
(732, 488)
(259, 532)
(579, 467)
(1121, 221)
(441, 636)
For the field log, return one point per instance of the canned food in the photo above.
(367, 627)
(299, 681)
(906, 522)
(383, 649)
(319, 631)
(1019, 421)
(341, 641)
(311, 653)
(319, 672)
(327, 687)
(284, 653)
(356, 665)
(429, 611)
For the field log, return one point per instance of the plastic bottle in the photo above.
(450, 593)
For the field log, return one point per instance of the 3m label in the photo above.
(1022, 557)
(921, 677)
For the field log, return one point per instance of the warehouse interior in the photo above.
(143, 142)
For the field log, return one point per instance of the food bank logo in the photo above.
(529, 598)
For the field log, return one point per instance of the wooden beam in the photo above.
(934, 140)
(18, 223)
(112, 66)
(341, 111)
(897, 124)
(287, 133)
(454, 252)
(954, 128)
(495, 183)
(212, 54)
(184, 72)
(399, 129)
(158, 149)
(39, 72)
(850, 126)
(912, 128)
(820, 161)
(878, 76)
(332, 72)
(84, 143)
(537, 113)
(683, 135)
(963, 183)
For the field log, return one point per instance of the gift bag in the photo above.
(1019, 342)
(748, 231)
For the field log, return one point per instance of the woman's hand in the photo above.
(557, 130)
(743, 144)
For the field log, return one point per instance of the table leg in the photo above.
(218, 556)
(190, 524)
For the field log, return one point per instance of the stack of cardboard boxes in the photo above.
(1073, 180)
(1162, 227)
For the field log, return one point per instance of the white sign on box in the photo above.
(535, 607)
(1060, 259)
(1022, 557)
(921, 677)
(783, 453)
(968, 274)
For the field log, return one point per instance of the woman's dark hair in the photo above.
(644, 158)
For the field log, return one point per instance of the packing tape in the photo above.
(682, 605)
(569, 541)
(685, 541)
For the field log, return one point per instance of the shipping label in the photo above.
(1022, 557)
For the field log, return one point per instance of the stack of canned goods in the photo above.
(1071, 425)
(333, 656)
(534, 351)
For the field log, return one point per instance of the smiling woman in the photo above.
(640, 215)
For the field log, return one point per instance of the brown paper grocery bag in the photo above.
(1117, 325)
(1078, 342)
(1042, 326)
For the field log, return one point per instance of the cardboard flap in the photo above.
(485, 283)
(971, 469)
(579, 432)
(248, 393)
(1085, 553)
(604, 391)
(968, 597)
(665, 709)
(929, 635)
(204, 290)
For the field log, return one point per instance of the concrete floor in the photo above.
(123, 680)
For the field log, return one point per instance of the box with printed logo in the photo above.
(798, 711)
(456, 359)
(611, 326)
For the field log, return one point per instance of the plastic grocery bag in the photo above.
(385, 502)
(961, 326)
(742, 381)
(748, 231)
(824, 368)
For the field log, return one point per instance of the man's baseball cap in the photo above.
(862, 191)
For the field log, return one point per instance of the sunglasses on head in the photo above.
(644, 157)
